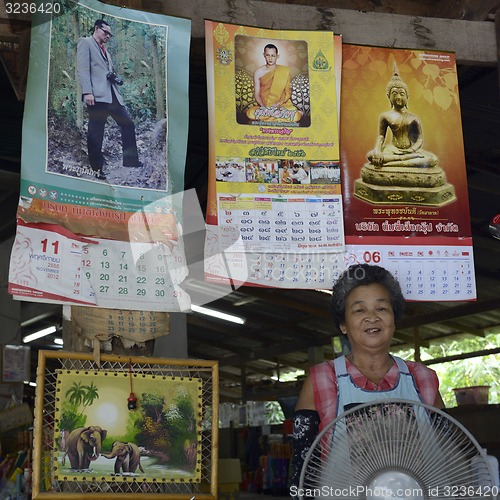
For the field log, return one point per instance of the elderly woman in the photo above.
(367, 303)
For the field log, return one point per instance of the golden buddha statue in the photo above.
(407, 134)
(401, 171)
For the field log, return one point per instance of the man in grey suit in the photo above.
(102, 96)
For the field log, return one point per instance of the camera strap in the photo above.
(103, 51)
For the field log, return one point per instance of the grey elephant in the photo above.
(83, 445)
(128, 457)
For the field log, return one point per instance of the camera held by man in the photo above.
(114, 78)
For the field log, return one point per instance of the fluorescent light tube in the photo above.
(218, 314)
(39, 334)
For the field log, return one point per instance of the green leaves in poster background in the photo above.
(138, 51)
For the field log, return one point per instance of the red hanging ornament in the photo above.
(131, 400)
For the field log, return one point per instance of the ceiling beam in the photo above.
(285, 360)
(490, 243)
(219, 326)
(488, 168)
(279, 327)
(473, 42)
(466, 355)
(489, 173)
(251, 370)
(461, 328)
(275, 297)
(466, 9)
(296, 331)
(247, 332)
(217, 343)
(273, 352)
(409, 338)
(451, 313)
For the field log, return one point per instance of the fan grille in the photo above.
(396, 449)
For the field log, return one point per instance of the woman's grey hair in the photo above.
(365, 274)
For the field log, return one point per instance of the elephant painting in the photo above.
(83, 445)
(128, 457)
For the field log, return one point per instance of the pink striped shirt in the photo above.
(326, 390)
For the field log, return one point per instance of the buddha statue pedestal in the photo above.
(404, 185)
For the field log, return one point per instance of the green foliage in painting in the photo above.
(71, 419)
(78, 397)
(168, 431)
(180, 423)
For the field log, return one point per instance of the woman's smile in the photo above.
(369, 318)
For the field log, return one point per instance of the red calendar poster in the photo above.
(404, 180)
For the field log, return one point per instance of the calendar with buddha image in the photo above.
(404, 180)
(427, 272)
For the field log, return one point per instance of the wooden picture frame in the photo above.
(88, 441)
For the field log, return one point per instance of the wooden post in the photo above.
(314, 355)
(243, 384)
(416, 339)
(497, 34)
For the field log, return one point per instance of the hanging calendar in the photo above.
(50, 264)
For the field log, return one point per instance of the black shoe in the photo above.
(99, 174)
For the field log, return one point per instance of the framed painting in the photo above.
(127, 426)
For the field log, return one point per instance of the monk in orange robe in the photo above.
(272, 91)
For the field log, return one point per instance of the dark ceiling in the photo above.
(290, 329)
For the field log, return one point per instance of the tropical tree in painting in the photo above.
(152, 406)
(82, 395)
(91, 393)
(78, 397)
(75, 393)
(152, 435)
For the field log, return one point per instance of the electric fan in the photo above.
(396, 449)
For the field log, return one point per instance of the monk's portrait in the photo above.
(272, 84)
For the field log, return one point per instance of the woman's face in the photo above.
(369, 318)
